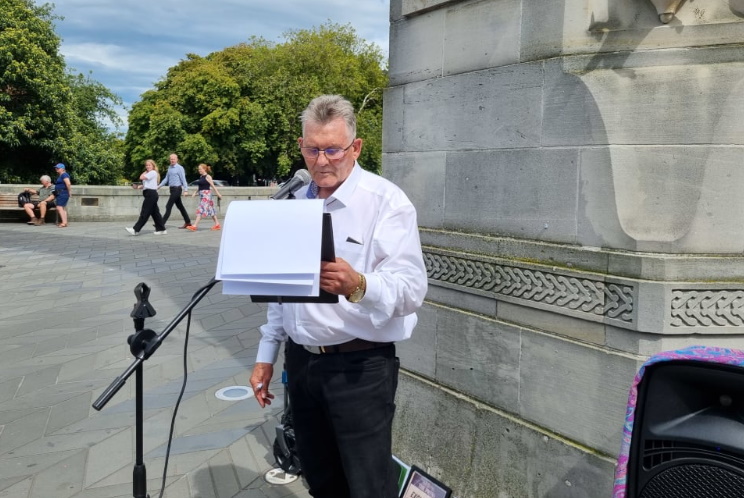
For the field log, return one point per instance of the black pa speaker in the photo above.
(688, 434)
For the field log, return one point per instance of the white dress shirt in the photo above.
(375, 230)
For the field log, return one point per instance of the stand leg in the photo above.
(139, 474)
(143, 344)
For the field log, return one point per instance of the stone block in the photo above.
(531, 193)
(542, 30)
(661, 198)
(392, 121)
(575, 390)
(491, 109)
(551, 29)
(423, 177)
(479, 357)
(562, 255)
(481, 35)
(411, 7)
(416, 46)
(568, 326)
(419, 353)
(671, 99)
(440, 292)
(492, 454)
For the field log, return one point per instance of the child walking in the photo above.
(206, 204)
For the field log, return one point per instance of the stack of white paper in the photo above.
(271, 248)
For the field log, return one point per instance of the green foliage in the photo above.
(35, 100)
(48, 115)
(238, 109)
(96, 154)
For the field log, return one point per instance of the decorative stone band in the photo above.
(707, 308)
(560, 291)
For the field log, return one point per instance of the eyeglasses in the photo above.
(331, 153)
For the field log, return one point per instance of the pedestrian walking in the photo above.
(150, 179)
(206, 204)
(175, 178)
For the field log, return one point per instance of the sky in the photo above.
(128, 46)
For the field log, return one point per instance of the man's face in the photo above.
(173, 159)
(329, 174)
(46, 182)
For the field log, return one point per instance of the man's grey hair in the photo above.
(44, 178)
(324, 109)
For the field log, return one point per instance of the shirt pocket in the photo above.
(352, 252)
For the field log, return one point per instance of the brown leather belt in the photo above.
(347, 347)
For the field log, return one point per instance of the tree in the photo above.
(97, 152)
(35, 97)
(48, 114)
(239, 108)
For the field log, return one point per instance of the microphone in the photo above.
(300, 179)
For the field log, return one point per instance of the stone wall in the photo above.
(108, 203)
(576, 169)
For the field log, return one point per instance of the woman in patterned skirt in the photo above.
(206, 204)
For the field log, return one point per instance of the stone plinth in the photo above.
(576, 167)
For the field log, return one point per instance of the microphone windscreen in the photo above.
(303, 175)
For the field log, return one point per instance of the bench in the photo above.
(9, 208)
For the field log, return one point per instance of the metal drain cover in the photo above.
(234, 393)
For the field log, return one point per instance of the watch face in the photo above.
(356, 296)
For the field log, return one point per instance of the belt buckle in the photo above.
(314, 349)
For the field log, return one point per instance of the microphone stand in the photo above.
(143, 344)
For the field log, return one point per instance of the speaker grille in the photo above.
(694, 481)
(659, 451)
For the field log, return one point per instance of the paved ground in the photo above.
(64, 319)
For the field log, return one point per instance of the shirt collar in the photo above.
(344, 191)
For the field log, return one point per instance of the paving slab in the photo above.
(64, 322)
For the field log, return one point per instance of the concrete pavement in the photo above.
(64, 320)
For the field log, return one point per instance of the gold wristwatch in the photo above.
(358, 293)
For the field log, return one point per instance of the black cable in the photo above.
(178, 403)
(180, 395)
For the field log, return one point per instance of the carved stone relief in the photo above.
(624, 15)
(591, 296)
(666, 9)
(707, 308)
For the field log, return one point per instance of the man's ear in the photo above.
(357, 147)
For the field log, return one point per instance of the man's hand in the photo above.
(338, 277)
(260, 378)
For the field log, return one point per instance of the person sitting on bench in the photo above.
(46, 201)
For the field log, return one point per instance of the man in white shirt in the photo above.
(340, 358)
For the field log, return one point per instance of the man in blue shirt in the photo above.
(175, 178)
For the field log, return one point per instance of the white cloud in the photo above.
(128, 46)
(116, 58)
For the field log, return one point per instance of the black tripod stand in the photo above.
(143, 344)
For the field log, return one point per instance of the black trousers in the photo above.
(175, 198)
(343, 406)
(150, 209)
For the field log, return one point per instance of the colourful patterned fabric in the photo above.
(206, 205)
(695, 353)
